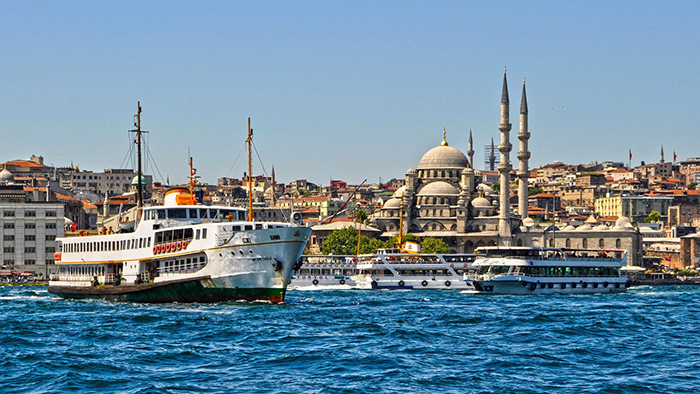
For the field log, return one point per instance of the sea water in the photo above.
(345, 341)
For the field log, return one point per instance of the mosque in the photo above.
(444, 197)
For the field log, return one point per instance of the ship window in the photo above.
(248, 227)
(214, 213)
(204, 233)
(197, 234)
(178, 234)
(148, 240)
(193, 213)
(177, 214)
(258, 226)
(188, 233)
(161, 213)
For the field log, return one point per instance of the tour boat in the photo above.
(182, 252)
(314, 272)
(536, 270)
(391, 269)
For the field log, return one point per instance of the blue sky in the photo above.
(344, 90)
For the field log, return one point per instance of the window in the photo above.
(204, 233)
(30, 237)
(29, 262)
(601, 243)
(50, 250)
(50, 214)
(618, 243)
(50, 237)
(9, 213)
(8, 249)
(30, 249)
(585, 243)
(9, 225)
(30, 225)
(197, 234)
(30, 213)
(50, 225)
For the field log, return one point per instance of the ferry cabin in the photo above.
(324, 271)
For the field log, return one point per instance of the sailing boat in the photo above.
(183, 252)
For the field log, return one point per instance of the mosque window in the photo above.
(618, 243)
(601, 243)
(585, 243)
(568, 242)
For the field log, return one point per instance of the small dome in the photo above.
(601, 227)
(623, 223)
(392, 203)
(411, 171)
(569, 228)
(6, 175)
(438, 188)
(486, 189)
(529, 222)
(443, 156)
(399, 192)
(135, 181)
(481, 202)
(584, 227)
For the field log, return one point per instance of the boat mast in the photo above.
(250, 175)
(139, 171)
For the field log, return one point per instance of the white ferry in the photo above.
(535, 270)
(315, 272)
(391, 269)
(182, 252)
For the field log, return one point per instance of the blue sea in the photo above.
(644, 341)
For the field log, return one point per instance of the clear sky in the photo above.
(344, 90)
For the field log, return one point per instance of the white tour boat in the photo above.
(315, 272)
(535, 270)
(391, 269)
(182, 253)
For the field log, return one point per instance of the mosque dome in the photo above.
(601, 227)
(623, 223)
(438, 188)
(529, 222)
(569, 228)
(399, 192)
(443, 156)
(392, 203)
(6, 175)
(481, 202)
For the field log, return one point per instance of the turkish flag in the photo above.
(674, 156)
(73, 227)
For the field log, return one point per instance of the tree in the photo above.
(532, 190)
(434, 245)
(342, 241)
(653, 217)
(361, 216)
(692, 185)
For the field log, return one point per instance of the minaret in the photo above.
(470, 151)
(523, 156)
(504, 166)
(492, 157)
(662, 154)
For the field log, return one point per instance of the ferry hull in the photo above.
(516, 287)
(186, 291)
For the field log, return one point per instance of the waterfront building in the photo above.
(637, 208)
(112, 181)
(29, 228)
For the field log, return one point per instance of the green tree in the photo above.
(342, 241)
(692, 185)
(532, 190)
(434, 245)
(361, 216)
(653, 217)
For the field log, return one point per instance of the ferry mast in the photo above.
(250, 173)
(139, 171)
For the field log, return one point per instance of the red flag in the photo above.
(73, 227)
(630, 154)
(674, 156)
